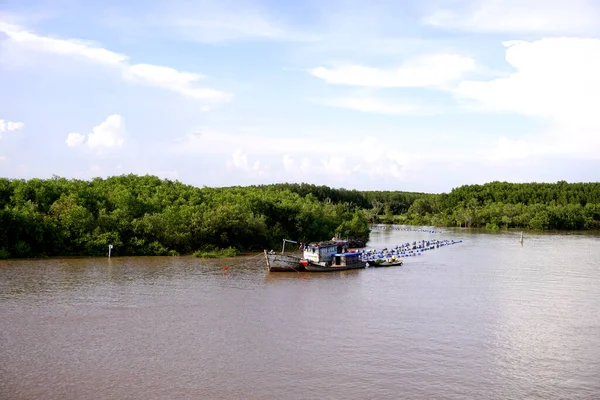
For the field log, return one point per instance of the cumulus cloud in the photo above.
(299, 168)
(425, 71)
(75, 139)
(336, 165)
(239, 160)
(555, 79)
(366, 157)
(147, 74)
(386, 159)
(110, 134)
(9, 126)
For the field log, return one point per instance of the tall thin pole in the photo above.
(110, 246)
(268, 263)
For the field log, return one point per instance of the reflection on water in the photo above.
(488, 318)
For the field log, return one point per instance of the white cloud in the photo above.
(336, 165)
(288, 163)
(170, 79)
(75, 139)
(374, 105)
(110, 134)
(147, 74)
(551, 16)
(9, 126)
(555, 79)
(425, 71)
(384, 158)
(239, 160)
(68, 47)
(294, 168)
(368, 157)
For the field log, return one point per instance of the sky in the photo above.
(371, 95)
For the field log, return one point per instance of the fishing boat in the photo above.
(339, 262)
(316, 257)
(284, 263)
(387, 263)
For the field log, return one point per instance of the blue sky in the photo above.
(388, 95)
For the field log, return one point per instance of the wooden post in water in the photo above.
(110, 246)
(521, 239)
(267, 258)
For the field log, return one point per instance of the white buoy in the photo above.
(110, 246)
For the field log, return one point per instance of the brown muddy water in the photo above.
(484, 319)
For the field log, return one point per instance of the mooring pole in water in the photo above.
(521, 238)
(109, 249)
(268, 263)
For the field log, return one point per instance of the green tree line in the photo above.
(145, 215)
(554, 206)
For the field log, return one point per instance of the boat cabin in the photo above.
(343, 259)
(324, 252)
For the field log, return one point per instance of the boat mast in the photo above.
(284, 241)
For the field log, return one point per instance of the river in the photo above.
(487, 318)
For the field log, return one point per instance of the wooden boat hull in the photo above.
(284, 263)
(321, 268)
(287, 263)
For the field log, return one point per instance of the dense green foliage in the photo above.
(144, 215)
(561, 206)
(325, 193)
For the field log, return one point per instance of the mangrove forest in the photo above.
(146, 215)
